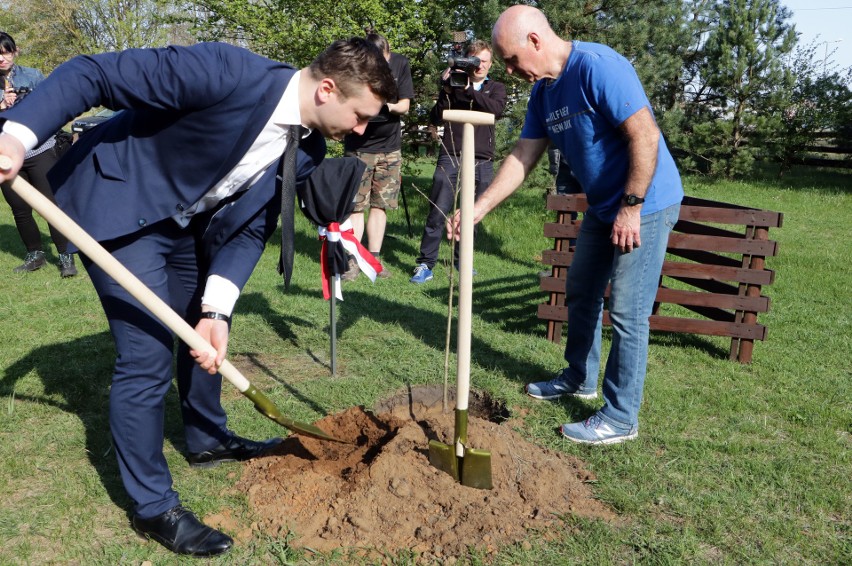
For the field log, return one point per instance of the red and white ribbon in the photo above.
(335, 235)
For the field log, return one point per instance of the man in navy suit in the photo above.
(180, 186)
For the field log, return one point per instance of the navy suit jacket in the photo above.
(189, 115)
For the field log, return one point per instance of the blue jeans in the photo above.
(635, 277)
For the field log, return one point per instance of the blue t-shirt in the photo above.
(581, 112)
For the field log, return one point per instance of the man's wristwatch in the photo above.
(632, 200)
(216, 316)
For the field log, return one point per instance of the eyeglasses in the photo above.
(8, 56)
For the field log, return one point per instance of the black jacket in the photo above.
(490, 98)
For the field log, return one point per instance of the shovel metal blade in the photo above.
(268, 408)
(443, 457)
(471, 470)
(476, 469)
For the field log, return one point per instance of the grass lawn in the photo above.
(735, 464)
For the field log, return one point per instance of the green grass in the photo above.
(736, 464)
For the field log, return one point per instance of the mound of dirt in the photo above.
(380, 493)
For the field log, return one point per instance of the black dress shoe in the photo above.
(236, 449)
(179, 530)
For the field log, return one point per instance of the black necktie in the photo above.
(288, 197)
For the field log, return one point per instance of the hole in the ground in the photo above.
(428, 399)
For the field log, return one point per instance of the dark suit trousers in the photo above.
(444, 187)
(163, 257)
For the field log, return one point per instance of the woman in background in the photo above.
(17, 82)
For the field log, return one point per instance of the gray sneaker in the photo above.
(32, 261)
(595, 430)
(556, 388)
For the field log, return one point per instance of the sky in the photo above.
(825, 21)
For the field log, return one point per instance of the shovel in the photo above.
(469, 466)
(62, 222)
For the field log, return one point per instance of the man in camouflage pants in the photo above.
(380, 148)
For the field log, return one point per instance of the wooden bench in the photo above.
(711, 271)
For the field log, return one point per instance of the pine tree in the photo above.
(742, 79)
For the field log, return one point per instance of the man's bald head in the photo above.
(515, 24)
(528, 46)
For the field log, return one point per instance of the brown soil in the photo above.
(380, 493)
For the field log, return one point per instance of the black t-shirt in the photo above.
(384, 133)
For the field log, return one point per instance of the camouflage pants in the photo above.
(380, 184)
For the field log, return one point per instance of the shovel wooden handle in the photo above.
(468, 175)
(471, 467)
(91, 248)
(152, 302)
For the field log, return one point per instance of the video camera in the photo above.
(460, 66)
(461, 69)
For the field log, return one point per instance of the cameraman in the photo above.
(17, 82)
(464, 86)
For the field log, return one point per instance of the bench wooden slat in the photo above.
(681, 269)
(692, 208)
(682, 297)
(737, 245)
(709, 327)
(703, 210)
(674, 324)
(563, 231)
(701, 299)
(556, 257)
(719, 272)
(699, 256)
(689, 227)
(571, 203)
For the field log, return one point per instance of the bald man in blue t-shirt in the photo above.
(588, 101)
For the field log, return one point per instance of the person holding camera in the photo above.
(380, 148)
(19, 81)
(465, 85)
